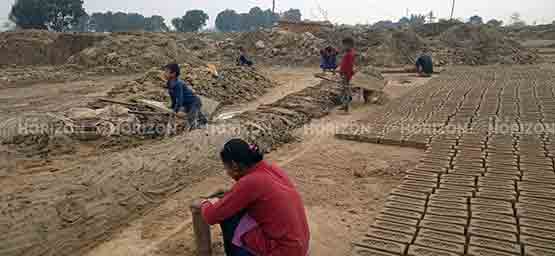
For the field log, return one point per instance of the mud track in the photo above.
(65, 212)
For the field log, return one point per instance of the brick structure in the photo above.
(303, 26)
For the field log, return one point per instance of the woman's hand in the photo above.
(213, 200)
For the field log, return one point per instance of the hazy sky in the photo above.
(346, 11)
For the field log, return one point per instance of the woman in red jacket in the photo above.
(263, 214)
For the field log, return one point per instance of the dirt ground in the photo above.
(343, 183)
(53, 97)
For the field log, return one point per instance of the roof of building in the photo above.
(307, 22)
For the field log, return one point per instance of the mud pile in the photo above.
(117, 51)
(449, 44)
(37, 47)
(393, 49)
(54, 134)
(277, 46)
(135, 52)
(480, 45)
(271, 125)
(228, 84)
(68, 56)
(540, 32)
(30, 74)
(64, 212)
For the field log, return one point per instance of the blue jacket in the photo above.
(181, 95)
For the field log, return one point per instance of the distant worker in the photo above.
(183, 99)
(425, 65)
(243, 60)
(263, 214)
(347, 71)
(328, 59)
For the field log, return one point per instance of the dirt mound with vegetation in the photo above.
(450, 43)
(482, 45)
(539, 32)
(395, 48)
(36, 47)
(276, 47)
(138, 51)
(102, 53)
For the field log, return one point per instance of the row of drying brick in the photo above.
(419, 219)
(472, 213)
(475, 195)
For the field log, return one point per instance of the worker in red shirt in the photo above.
(263, 214)
(347, 71)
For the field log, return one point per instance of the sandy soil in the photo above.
(343, 183)
(53, 97)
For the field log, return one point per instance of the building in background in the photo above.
(304, 26)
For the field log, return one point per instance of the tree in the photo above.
(516, 21)
(292, 15)
(135, 22)
(64, 14)
(270, 18)
(384, 24)
(404, 21)
(476, 20)
(120, 22)
(495, 23)
(193, 21)
(57, 15)
(29, 14)
(98, 22)
(82, 24)
(417, 19)
(156, 23)
(228, 21)
(255, 18)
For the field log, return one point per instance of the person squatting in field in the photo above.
(263, 214)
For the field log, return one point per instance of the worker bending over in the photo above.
(263, 214)
(243, 60)
(183, 99)
(425, 65)
(328, 59)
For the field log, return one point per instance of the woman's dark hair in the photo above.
(244, 154)
(349, 41)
